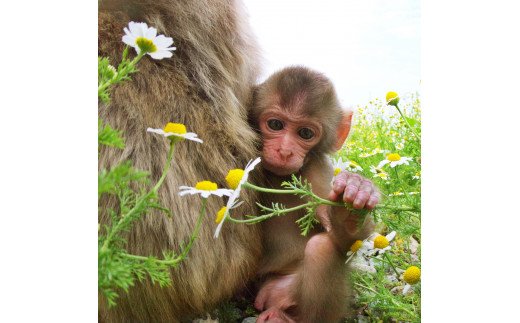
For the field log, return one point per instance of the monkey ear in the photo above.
(343, 129)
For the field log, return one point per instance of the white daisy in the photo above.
(378, 172)
(338, 165)
(220, 214)
(374, 151)
(235, 179)
(177, 130)
(354, 167)
(417, 175)
(399, 145)
(394, 160)
(205, 189)
(380, 244)
(361, 247)
(141, 37)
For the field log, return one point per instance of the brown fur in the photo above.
(205, 85)
(304, 279)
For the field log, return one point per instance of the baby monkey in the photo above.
(303, 279)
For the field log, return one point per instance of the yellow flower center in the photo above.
(412, 275)
(355, 247)
(393, 157)
(206, 186)
(220, 214)
(146, 45)
(381, 242)
(233, 177)
(177, 128)
(392, 98)
(337, 171)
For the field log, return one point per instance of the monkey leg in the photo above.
(316, 292)
(274, 315)
(275, 293)
(320, 288)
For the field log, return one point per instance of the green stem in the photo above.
(197, 229)
(270, 215)
(171, 262)
(120, 74)
(185, 251)
(405, 191)
(366, 287)
(396, 208)
(409, 126)
(391, 298)
(270, 190)
(167, 166)
(391, 264)
(315, 200)
(140, 202)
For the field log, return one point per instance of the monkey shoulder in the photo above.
(319, 173)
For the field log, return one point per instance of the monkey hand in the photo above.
(354, 189)
(362, 194)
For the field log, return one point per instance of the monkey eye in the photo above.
(275, 124)
(306, 133)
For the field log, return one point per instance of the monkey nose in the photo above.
(284, 154)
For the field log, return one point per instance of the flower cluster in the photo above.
(235, 179)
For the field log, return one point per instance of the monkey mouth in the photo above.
(280, 169)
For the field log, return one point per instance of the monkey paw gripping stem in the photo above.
(303, 188)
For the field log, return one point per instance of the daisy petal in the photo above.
(157, 131)
(390, 236)
(151, 33)
(161, 54)
(383, 163)
(129, 40)
(163, 42)
(136, 28)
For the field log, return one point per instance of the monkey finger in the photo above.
(352, 188)
(374, 200)
(366, 190)
(362, 197)
(339, 183)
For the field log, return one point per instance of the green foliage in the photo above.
(308, 221)
(109, 75)
(132, 197)
(377, 131)
(380, 303)
(117, 269)
(109, 137)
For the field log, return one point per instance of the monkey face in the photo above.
(287, 138)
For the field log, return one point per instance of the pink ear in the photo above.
(343, 129)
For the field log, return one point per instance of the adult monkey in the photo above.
(205, 85)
